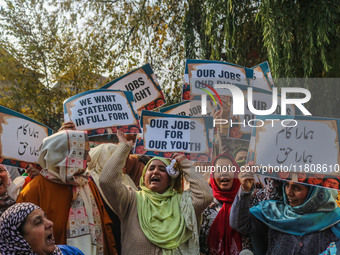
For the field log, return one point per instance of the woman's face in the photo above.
(134, 130)
(331, 183)
(150, 106)
(283, 175)
(114, 129)
(223, 179)
(38, 232)
(296, 193)
(3, 180)
(156, 177)
(159, 102)
(124, 129)
(235, 132)
(241, 155)
(186, 95)
(140, 149)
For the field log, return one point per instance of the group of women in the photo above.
(65, 204)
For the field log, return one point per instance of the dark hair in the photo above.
(143, 159)
(21, 227)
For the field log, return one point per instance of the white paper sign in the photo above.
(100, 108)
(171, 134)
(144, 86)
(311, 142)
(21, 138)
(189, 108)
(261, 101)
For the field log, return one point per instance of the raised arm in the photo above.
(200, 189)
(118, 195)
(240, 217)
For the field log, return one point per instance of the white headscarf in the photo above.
(63, 159)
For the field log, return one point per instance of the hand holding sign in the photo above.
(67, 126)
(101, 109)
(122, 139)
(32, 171)
(179, 156)
(247, 178)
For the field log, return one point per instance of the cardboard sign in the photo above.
(20, 138)
(262, 100)
(144, 85)
(188, 108)
(100, 109)
(173, 133)
(261, 78)
(204, 72)
(303, 151)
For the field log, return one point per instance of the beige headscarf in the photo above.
(99, 156)
(63, 159)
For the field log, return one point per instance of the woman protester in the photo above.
(24, 229)
(240, 155)
(305, 222)
(99, 155)
(7, 190)
(216, 235)
(160, 218)
(69, 199)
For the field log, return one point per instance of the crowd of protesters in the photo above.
(105, 200)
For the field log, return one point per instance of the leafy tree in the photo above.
(47, 52)
(224, 30)
(74, 42)
(134, 33)
(299, 38)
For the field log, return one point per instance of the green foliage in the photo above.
(297, 35)
(299, 38)
(135, 33)
(46, 52)
(223, 30)
(72, 43)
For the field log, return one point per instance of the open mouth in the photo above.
(291, 201)
(50, 239)
(155, 179)
(225, 180)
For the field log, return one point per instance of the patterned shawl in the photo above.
(11, 240)
(63, 159)
(318, 212)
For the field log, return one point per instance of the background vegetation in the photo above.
(53, 49)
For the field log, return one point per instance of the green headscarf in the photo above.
(161, 217)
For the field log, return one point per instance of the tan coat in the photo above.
(124, 203)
